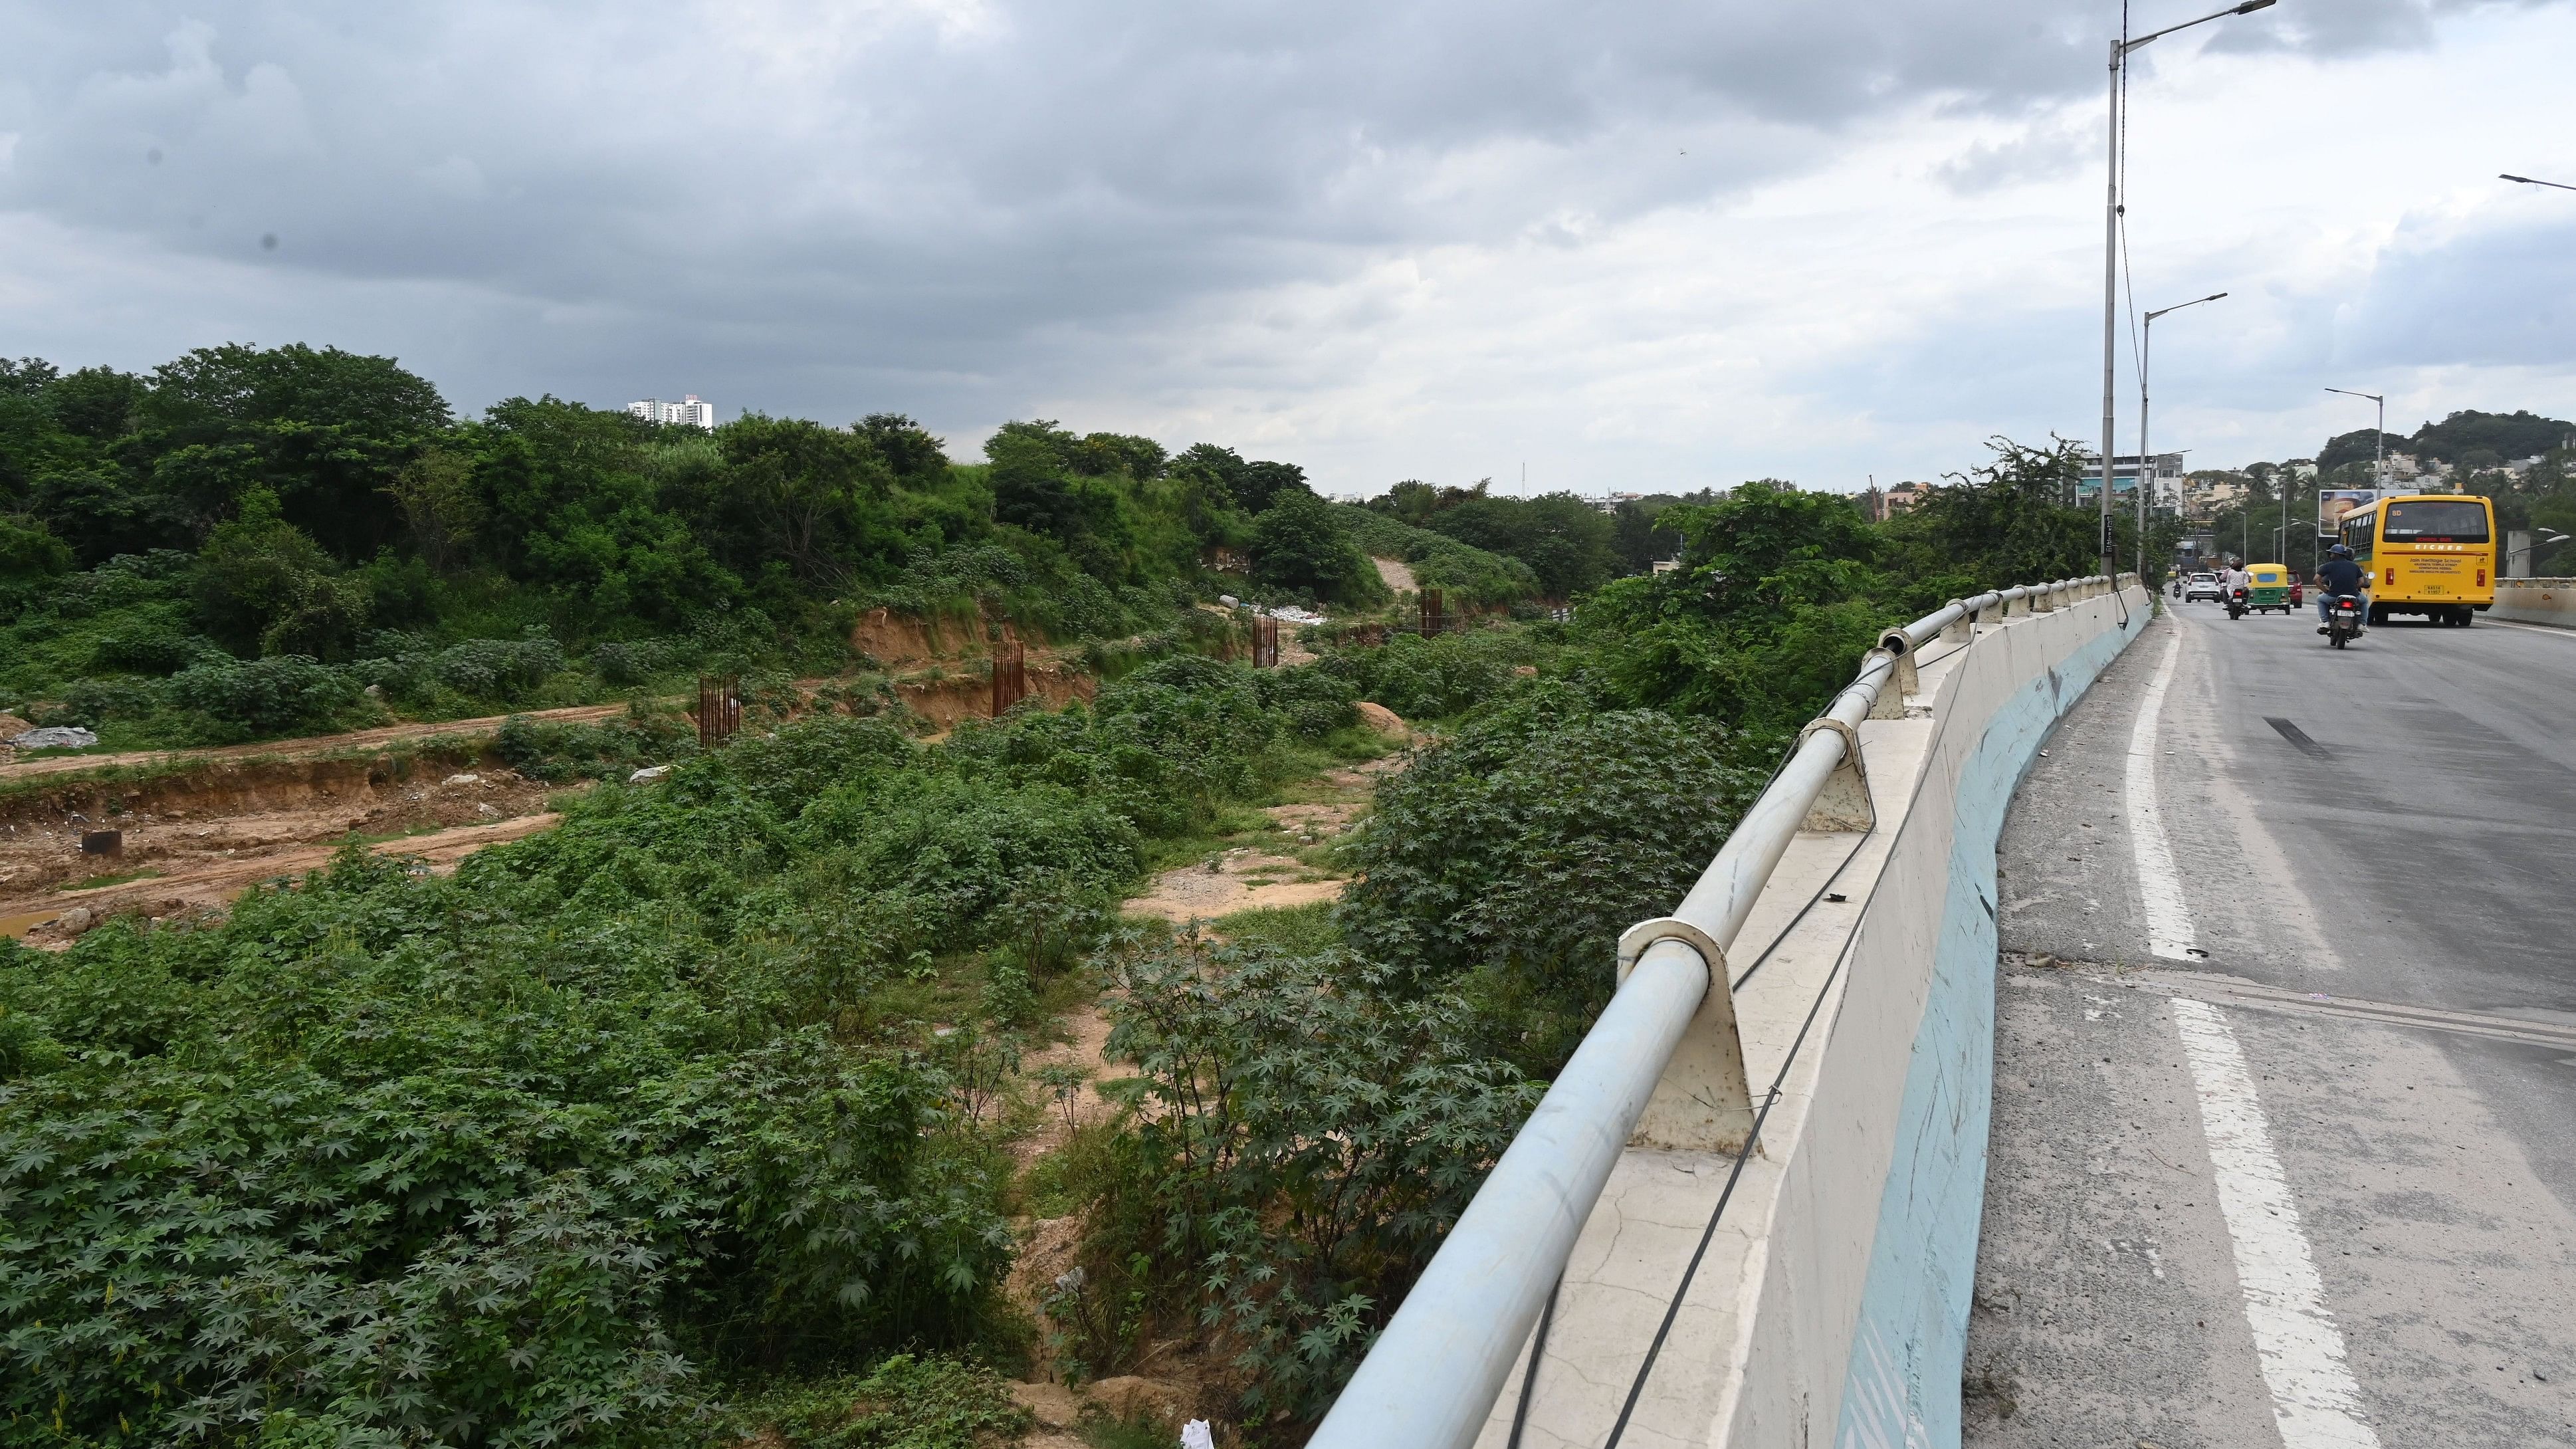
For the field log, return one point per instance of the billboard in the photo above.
(2334, 503)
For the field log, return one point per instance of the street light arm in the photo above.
(2533, 181)
(2178, 306)
(2248, 8)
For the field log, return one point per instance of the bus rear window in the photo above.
(2437, 521)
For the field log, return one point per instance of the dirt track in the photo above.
(353, 741)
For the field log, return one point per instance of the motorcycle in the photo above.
(2236, 602)
(2343, 620)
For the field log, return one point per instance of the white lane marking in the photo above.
(2532, 628)
(2314, 1399)
(2159, 887)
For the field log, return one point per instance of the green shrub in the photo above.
(903, 1403)
(1303, 1138)
(1508, 859)
(1301, 544)
(557, 751)
(1316, 701)
(95, 701)
(1432, 678)
(283, 694)
(142, 649)
(632, 663)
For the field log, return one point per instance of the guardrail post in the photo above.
(1703, 1101)
(1963, 629)
(1901, 681)
(1843, 804)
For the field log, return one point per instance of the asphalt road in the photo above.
(2316, 1185)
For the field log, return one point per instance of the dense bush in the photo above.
(1507, 860)
(1435, 678)
(284, 694)
(1315, 701)
(552, 1147)
(1302, 545)
(557, 751)
(1303, 1137)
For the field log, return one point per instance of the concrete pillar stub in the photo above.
(1961, 630)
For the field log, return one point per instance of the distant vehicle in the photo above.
(2270, 587)
(2202, 586)
(2343, 620)
(2432, 554)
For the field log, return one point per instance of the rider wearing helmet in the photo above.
(2337, 575)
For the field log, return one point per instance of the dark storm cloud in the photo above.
(958, 202)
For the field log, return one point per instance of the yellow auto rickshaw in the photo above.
(2267, 586)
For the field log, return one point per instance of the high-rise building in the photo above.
(690, 411)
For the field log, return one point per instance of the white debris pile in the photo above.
(56, 737)
(1289, 612)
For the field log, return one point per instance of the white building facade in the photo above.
(690, 411)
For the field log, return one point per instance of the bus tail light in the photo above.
(2392, 576)
(2482, 578)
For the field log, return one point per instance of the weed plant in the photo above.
(549, 1150)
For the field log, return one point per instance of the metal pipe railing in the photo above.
(1433, 1375)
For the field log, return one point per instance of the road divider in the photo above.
(2536, 601)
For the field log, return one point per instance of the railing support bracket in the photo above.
(1902, 682)
(1703, 1102)
(1843, 805)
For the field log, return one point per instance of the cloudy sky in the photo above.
(1620, 246)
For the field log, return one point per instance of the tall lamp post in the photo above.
(2378, 439)
(2146, 456)
(2121, 47)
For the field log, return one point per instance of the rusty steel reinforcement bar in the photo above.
(1660, 1066)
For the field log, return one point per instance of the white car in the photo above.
(2203, 586)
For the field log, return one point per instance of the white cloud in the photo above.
(1646, 245)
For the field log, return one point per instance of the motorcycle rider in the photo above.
(2337, 575)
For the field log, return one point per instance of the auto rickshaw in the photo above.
(2270, 586)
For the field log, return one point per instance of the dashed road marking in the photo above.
(2314, 1399)
(2169, 932)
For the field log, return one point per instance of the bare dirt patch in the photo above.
(192, 842)
(953, 699)
(1241, 879)
(356, 741)
(1397, 573)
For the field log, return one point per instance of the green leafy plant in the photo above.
(1303, 1135)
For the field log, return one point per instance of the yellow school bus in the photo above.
(2432, 554)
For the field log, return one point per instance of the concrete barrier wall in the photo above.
(2536, 601)
(1862, 1279)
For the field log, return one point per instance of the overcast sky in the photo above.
(1623, 246)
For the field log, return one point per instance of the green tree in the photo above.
(1567, 542)
(1300, 543)
(1764, 619)
(262, 586)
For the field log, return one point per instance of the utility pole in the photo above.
(2121, 47)
(2378, 439)
(2146, 456)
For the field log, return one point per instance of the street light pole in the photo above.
(2146, 456)
(2121, 48)
(2378, 440)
